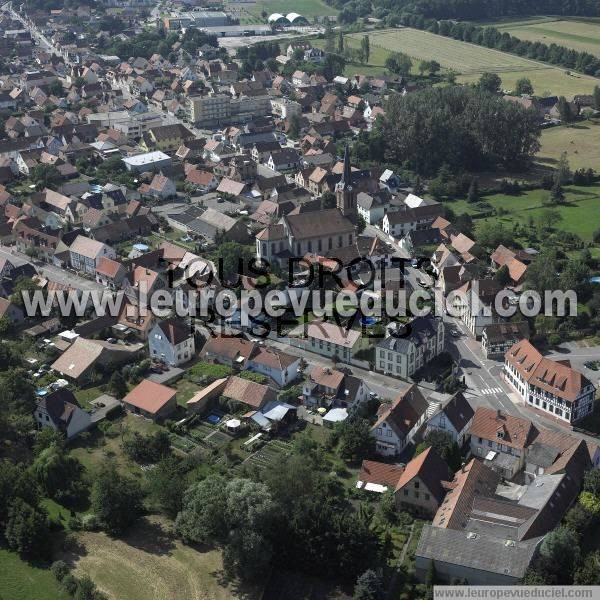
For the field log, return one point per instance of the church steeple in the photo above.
(344, 189)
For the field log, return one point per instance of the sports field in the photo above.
(578, 35)
(470, 61)
(250, 12)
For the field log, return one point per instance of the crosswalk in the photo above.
(495, 390)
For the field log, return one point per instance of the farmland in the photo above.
(578, 35)
(470, 61)
(150, 563)
(581, 142)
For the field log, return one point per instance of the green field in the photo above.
(583, 36)
(581, 142)
(470, 61)
(580, 215)
(22, 581)
(250, 12)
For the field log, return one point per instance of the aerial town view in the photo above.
(299, 300)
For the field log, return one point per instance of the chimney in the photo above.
(498, 414)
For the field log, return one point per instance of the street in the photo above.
(51, 271)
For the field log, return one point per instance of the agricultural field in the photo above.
(583, 36)
(470, 61)
(579, 214)
(22, 581)
(581, 142)
(149, 562)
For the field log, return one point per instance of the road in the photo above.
(51, 271)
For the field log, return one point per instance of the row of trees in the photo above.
(490, 9)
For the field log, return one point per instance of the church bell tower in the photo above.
(344, 190)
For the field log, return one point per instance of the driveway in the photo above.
(102, 406)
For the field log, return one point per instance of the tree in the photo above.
(591, 503)
(56, 88)
(116, 500)
(473, 194)
(328, 200)
(86, 590)
(418, 186)
(59, 474)
(490, 82)
(202, 519)
(578, 519)
(399, 63)
(557, 195)
(564, 110)
(559, 552)
(361, 224)
(502, 276)
(596, 97)
(340, 44)
(563, 172)
(523, 87)
(117, 385)
(356, 441)
(369, 586)
(589, 571)
(167, 485)
(27, 530)
(591, 482)
(294, 128)
(148, 449)
(22, 284)
(365, 46)
(444, 446)
(45, 176)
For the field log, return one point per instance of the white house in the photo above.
(171, 342)
(282, 368)
(455, 418)
(60, 411)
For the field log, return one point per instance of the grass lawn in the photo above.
(470, 61)
(581, 142)
(583, 36)
(86, 395)
(580, 214)
(148, 562)
(21, 581)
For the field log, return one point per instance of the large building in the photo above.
(548, 385)
(220, 109)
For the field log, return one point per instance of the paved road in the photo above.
(53, 272)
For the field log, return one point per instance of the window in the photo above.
(389, 433)
(427, 496)
(416, 494)
(416, 485)
(406, 492)
(379, 431)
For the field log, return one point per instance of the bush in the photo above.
(70, 584)
(60, 569)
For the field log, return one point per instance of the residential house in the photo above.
(10, 311)
(498, 338)
(420, 487)
(501, 440)
(326, 387)
(110, 273)
(397, 424)
(61, 411)
(515, 261)
(202, 181)
(282, 368)
(474, 304)
(454, 418)
(151, 400)
(252, 394)
(372, 207)
(160, 187)
(167, 138)
(552, 386)
(410, 347)
(171, 342)
(284, 160)
(85, 254)
(333, 341)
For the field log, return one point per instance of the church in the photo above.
(329, 232)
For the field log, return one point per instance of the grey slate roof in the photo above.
(421, 329)
(483, 552)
